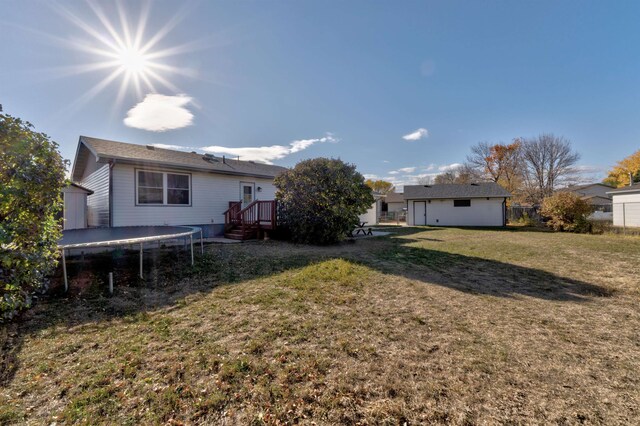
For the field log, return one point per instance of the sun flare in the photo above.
(133, 61)
(122, 49)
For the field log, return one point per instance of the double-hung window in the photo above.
(162, 188)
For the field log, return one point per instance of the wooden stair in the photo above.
(249, 233)
(251, 222)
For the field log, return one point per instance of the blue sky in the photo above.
(347, 79)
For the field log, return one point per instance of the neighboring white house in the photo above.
(475, 204)
(394, 205)
(626, 206)
(144, 185)
(595, 194)
(372, 216)
(74, 210)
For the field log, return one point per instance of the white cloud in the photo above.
(407, 170)
(159, 113)
(449, 167)
(416, 135)
(267, 154)
(173, 147)
(394, 172)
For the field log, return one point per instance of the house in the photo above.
(475, 204)
(394, 205)
(595, 194)
(372, 216)
(137, 185)
(626, 206)
(74, 207)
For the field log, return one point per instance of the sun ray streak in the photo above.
(166, 29)
(124, 24)
(84, 26)
(166, 83)
(142, 24)
(102, 17)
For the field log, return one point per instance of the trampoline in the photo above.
(121, 236)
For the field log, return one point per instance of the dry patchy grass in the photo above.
(429, 325)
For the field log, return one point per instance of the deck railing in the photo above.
(260, 214)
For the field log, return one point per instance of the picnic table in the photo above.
(360, 228)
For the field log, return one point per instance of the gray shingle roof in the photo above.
(143, 154)
(578, 187)
(477, 190)
(633, 189)
(394, 197)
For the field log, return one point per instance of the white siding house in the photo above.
(626, 206)
(137, 185)
(481, 204)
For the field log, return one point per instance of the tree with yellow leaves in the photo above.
(621, 172)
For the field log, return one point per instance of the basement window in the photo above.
(461, 203)
(163, 188)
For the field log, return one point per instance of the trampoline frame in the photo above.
(191, 230)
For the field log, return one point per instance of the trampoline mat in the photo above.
(96, 237)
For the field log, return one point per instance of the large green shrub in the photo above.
(31, 178)
(321, 200)
(566, 211)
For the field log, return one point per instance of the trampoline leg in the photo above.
(141, 261)
(191, 242)
(110, 282)
(201, 243)
(64, 271)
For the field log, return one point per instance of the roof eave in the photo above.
(134, 162)
(625, 191)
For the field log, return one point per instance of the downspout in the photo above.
(504, 212)
(111, 164)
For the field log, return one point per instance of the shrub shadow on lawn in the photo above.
(489, 277)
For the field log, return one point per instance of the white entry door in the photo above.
(419, 212)
(247, 190)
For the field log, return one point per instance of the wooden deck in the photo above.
(250, 222)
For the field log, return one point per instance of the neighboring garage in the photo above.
(626, 206)
(475, 204)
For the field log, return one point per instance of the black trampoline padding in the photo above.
(121, 235)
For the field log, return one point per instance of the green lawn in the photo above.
(427, 325)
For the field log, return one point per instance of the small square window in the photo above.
(461, 203)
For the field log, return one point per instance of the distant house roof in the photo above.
(394, 197)
(626, 189)
(473, 190)
(149, 155)
(588, 185)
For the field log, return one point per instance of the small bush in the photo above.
(320, 200)
(600, 226)
(31, 180)
(566, 211)
(526, 220)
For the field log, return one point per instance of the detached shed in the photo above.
(626, 206)
(475, 204)
(74, 210)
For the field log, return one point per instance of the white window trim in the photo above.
(165, 188)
